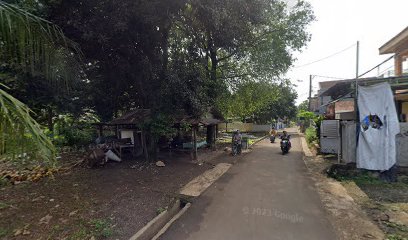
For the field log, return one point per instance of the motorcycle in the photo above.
(236, 149)
(285, 145)
(272, 138)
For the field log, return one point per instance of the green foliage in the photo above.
(18, 128)
(153, 55)
(98, 228)
(160, 210)
(3, 205)
(35, 45)
(185, 55)
(259, 101)
(161, 125)
(101, 228)
(306, 115)
(4, 232)
(304, 106)
(71, 131)
(395, 237)
(311, 135)
(30, 44)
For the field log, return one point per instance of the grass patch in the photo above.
(101, 228)
(311, 135)
(80, 234)
(4, 232)
(98, 228)
(395, 237)
(4, 182)
(363, 178)
(160, 210)
(399, 227)
(398, 232)
(3, 205)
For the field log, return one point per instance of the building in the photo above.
(398, 46)
(337, 100)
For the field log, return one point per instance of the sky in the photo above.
(340, 24)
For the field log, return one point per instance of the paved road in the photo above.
(264, 196)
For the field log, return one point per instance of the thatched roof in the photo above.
(134, 117)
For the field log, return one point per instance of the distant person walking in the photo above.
(236, 142)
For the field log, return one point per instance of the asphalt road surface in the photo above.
(266, 195)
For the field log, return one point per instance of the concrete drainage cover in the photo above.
(199, 184)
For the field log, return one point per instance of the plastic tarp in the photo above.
(379, 126)
(109, 155)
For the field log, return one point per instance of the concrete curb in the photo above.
(257, 141)
(158, 226)
(305, 147)
(199, 184)
(155, 225)
(169, 223)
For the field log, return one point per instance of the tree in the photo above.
(282, 105)
(181, 54)
(304, 106)
(241, 40)
(260, 101)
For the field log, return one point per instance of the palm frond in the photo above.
(37, 46)
(16, 125)
(34, 45)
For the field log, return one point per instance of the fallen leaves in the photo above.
(33, 174)
(46, 219)
(71, 214)
(22, 231)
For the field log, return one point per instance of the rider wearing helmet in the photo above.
(286, 136)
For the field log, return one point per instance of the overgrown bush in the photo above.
(69, 131)
(311, 135)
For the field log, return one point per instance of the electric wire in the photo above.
(322, 59)
(386, 60)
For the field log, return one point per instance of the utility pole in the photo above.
(357, 57)
(357, 62)
(310, 92)
(356, 83)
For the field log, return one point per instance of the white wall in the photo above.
(127, 134)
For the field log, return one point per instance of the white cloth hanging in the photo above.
(378, 127)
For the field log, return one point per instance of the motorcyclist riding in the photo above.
(286, 136)
(272, 134)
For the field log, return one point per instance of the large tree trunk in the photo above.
(50, 115)
(194, 149)
(144, 146)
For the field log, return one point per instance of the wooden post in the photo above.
(100, 130)
(398, 65)
(209, 137)
(117, 132)
(144, 145)
(135, 135)
(195, 157)
(214, 136)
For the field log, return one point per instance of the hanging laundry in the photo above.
(378, 128)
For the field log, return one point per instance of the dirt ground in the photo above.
(110, 202)
(345, 214)
(386, 204)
